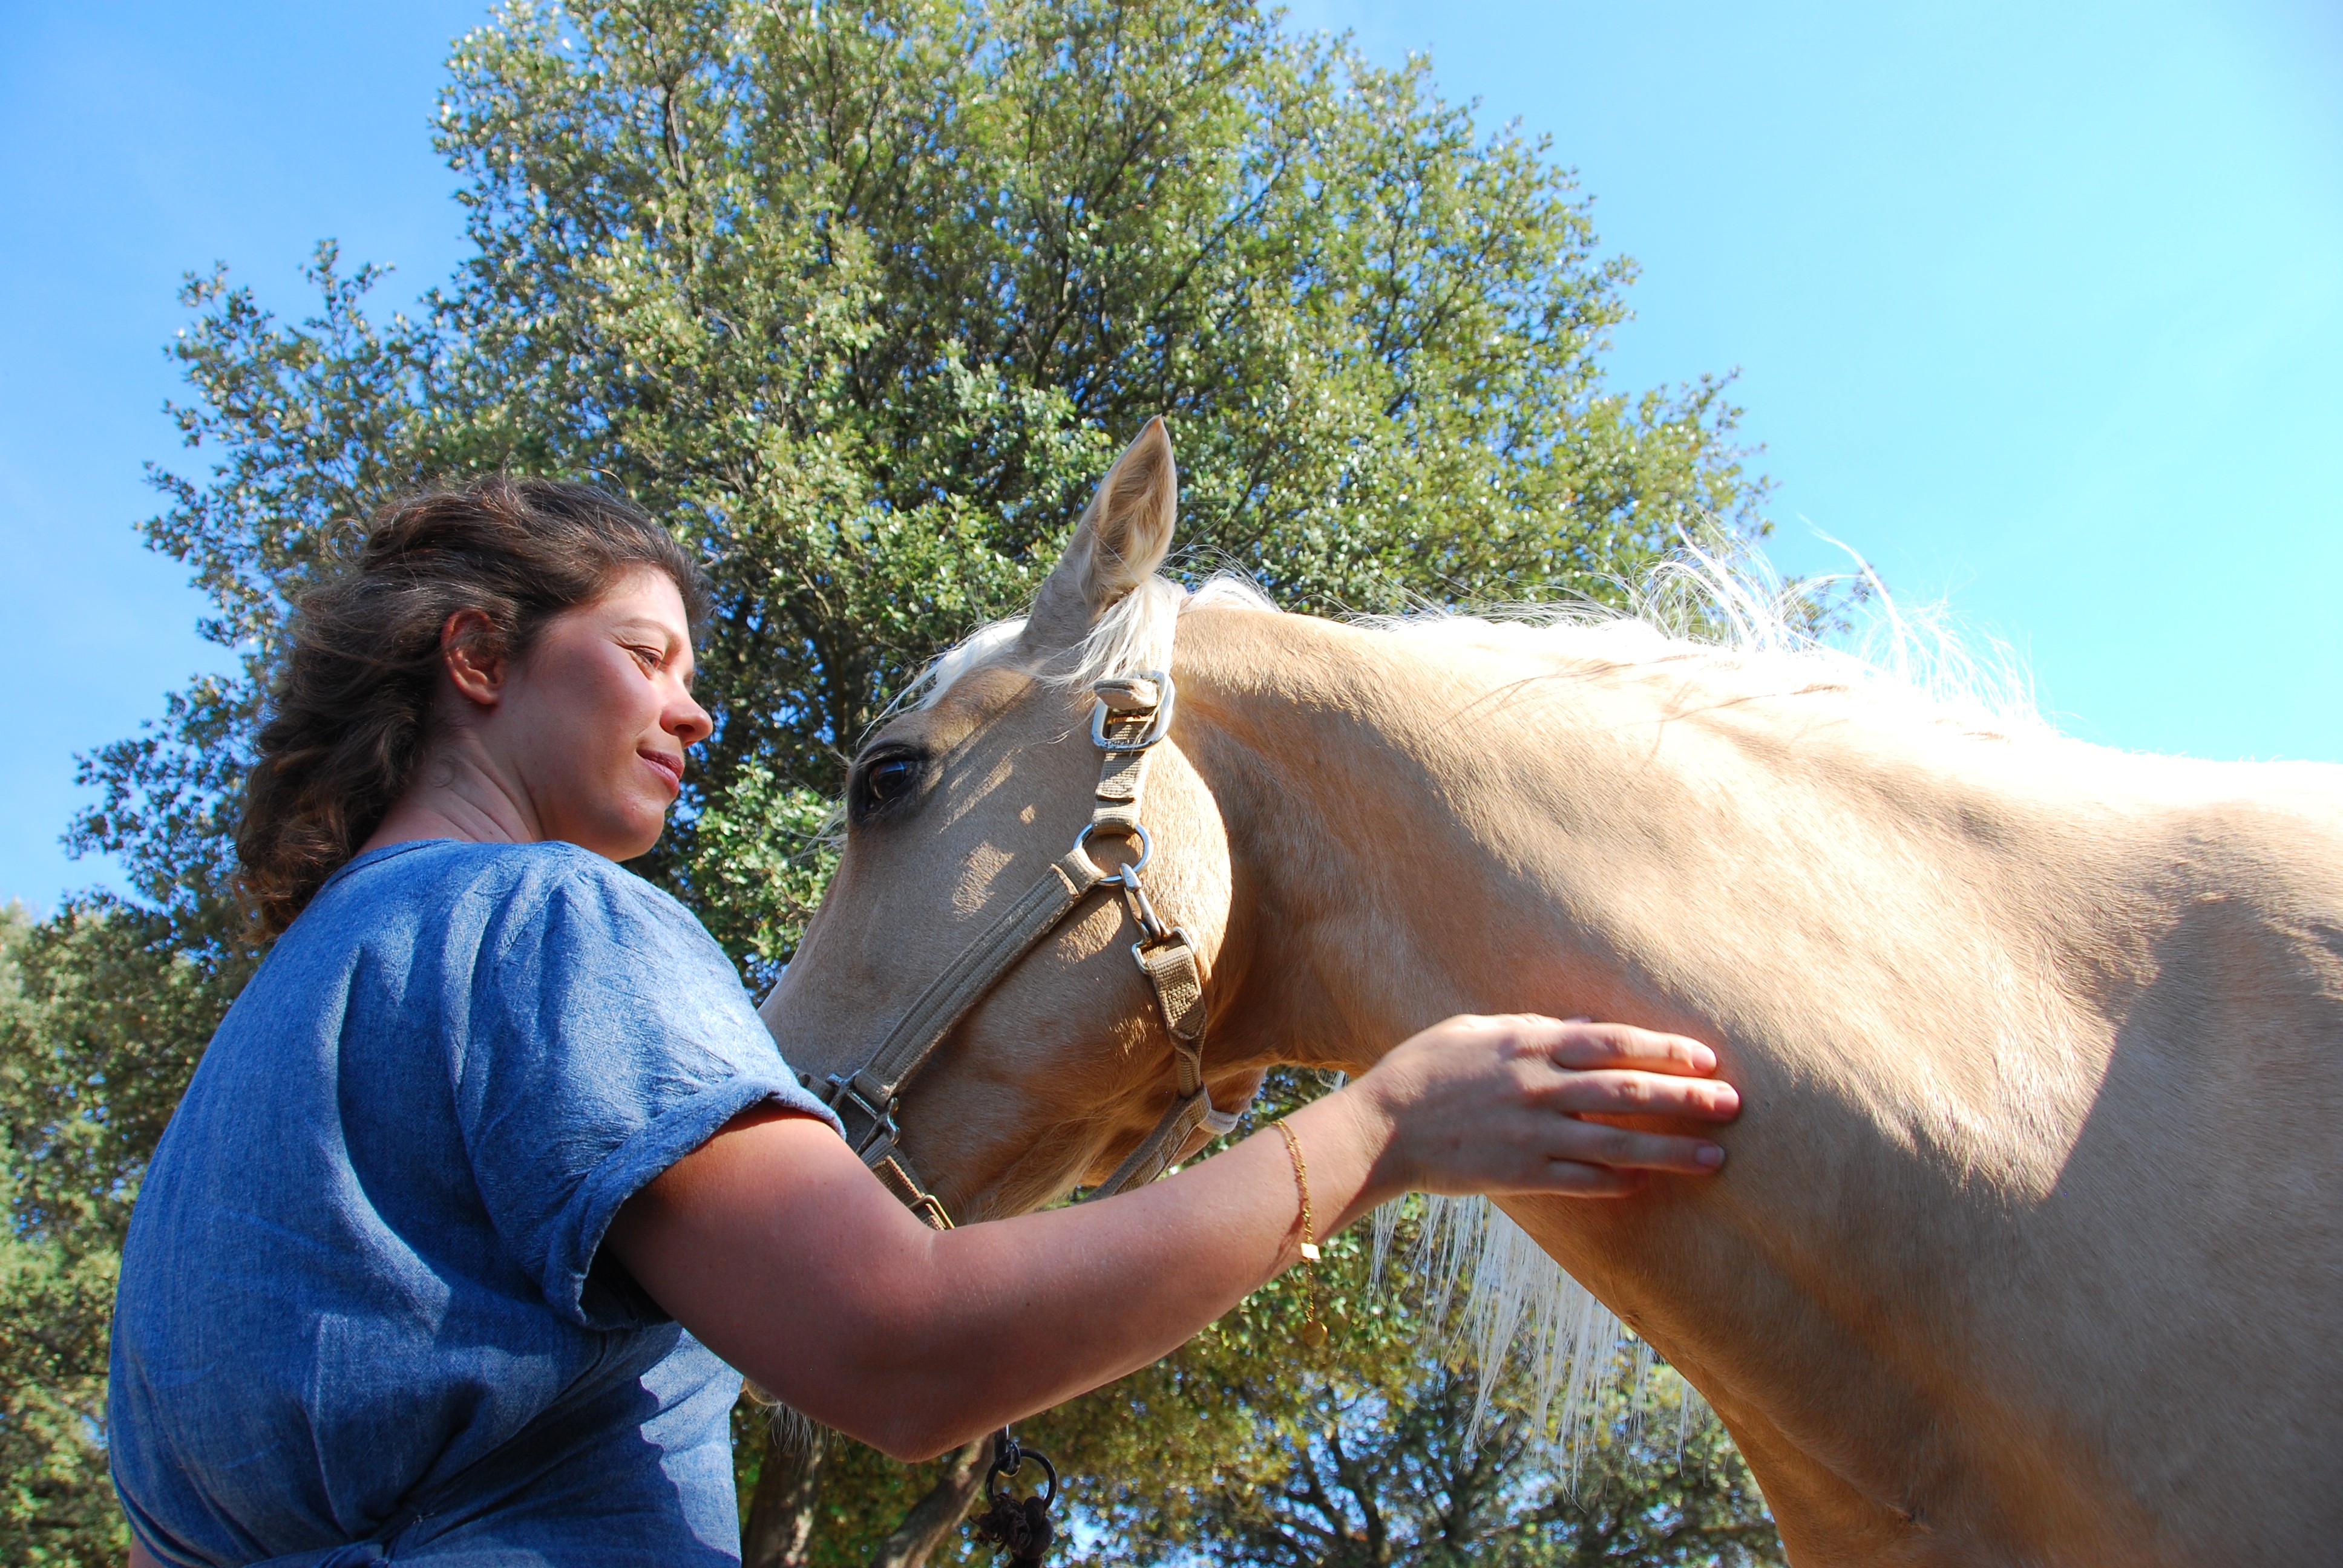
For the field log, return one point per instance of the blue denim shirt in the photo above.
(362, 1313)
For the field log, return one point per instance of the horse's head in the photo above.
(958, 809)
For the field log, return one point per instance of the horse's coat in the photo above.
(2030, 1246)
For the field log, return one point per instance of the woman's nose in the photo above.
(689, 722)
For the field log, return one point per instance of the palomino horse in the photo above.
(2030, 1246)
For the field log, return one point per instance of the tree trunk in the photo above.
(782, 1510)
(932, 1517)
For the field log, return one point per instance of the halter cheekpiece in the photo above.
(1132, 716)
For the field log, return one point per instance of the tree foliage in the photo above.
(863, 300)
(1376, 1452)
(102, 1013)
(860, 298)
(1380, 1451)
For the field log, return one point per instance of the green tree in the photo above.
(104, 1009)
(1378, 1451)
(860, 298)
(54, 1301)
(1387, 1452)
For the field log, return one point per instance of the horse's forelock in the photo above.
(1135, 635)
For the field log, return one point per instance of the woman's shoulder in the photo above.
(492, 893)
(453, 868)
(530, 931)
(457, 860)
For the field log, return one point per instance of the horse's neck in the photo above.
(1425, 827)
(1865, 931)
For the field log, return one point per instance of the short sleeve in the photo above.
(607, 1038)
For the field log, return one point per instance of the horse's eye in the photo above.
(886, 781)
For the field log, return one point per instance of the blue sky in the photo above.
(2039, 307)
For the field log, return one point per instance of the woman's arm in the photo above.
(780, 1253)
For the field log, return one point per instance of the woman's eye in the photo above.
(648, 659)
(887, 780)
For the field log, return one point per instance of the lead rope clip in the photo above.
(1019, 1526)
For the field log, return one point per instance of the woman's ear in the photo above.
(468, 650)
(1123, 535)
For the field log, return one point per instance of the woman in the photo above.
(491, 1186)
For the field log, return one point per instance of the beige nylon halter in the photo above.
(1134, 715)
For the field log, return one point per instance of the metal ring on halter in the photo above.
(1009, 1458)
(1146, 844)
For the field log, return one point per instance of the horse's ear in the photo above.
(1124, 534)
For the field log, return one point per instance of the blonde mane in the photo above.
(1697, 609)
(1492, 1293)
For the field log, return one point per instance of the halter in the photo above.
(1132, 716)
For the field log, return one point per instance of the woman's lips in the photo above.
(670, 767)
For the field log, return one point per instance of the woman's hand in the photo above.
(1495, 1105)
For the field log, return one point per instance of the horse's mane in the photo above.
(1492, 1291)
(1709, 616)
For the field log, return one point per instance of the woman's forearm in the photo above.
(1076, 1297)
(776, 1248)
(780, 1253)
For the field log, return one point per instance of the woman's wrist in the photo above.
(1351, 1139)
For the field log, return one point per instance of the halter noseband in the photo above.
(1133, 714)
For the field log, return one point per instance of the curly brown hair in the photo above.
(350, 719)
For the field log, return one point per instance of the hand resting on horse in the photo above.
(780, 1253)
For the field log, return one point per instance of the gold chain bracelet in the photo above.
(1313, 1331)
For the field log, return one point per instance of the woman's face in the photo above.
(591, 724)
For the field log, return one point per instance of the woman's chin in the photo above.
(638, 844)
(624, 839)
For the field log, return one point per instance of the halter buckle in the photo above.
(873, 1141)
(1159, 713)
(1173, 936)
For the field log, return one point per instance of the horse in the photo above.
(2029, 1247)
